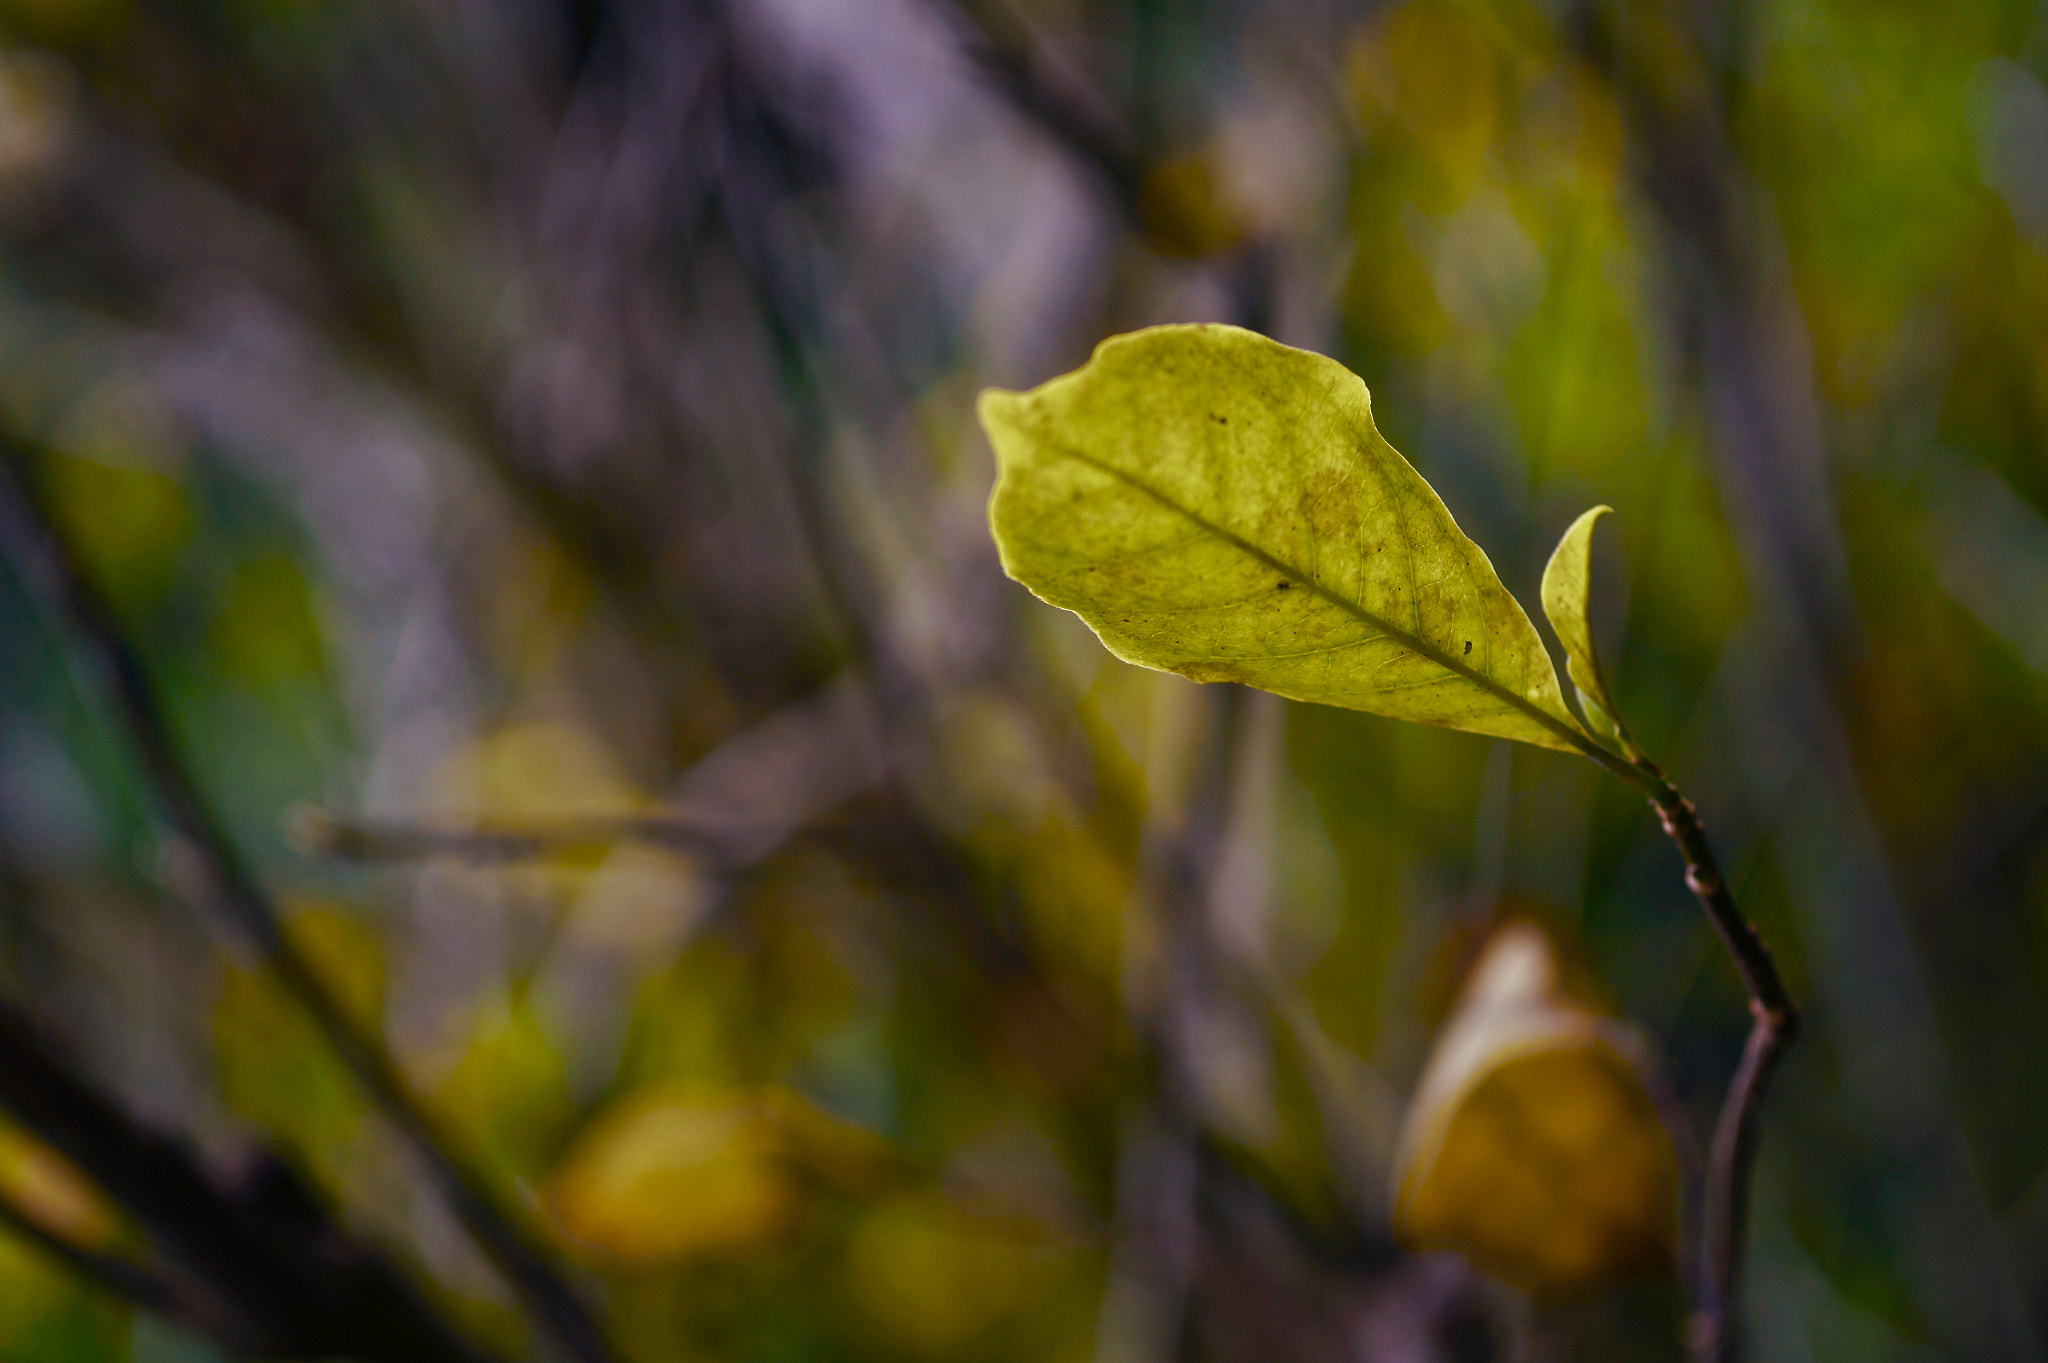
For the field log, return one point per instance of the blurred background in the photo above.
(525, 448)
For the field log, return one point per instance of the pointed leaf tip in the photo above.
(1217, 504)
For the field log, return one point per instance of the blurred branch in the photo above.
(131, 1283)
(264, 1268)
(50, 567)
(317, 833)
(1008, 69)
(778, 778)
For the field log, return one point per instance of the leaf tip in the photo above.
(1582, 526)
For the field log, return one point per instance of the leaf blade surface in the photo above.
(1567, 600)
(1217, 504)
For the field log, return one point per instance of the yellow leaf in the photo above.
(506, 1094)
(1220, 505)
(536, 771)
(273, 1067)
(675, 1172)
(1532, 1145)
(669, 1174)
(926, 1275)
(51, 1190)
(267, 631)
(1567, 593)
(129, 521)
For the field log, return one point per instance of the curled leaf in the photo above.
(1217, 504)
(1532, 1145)
(1567, 593)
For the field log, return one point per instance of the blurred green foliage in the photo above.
(495, 416)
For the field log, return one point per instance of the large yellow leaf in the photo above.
(1533, 1145)
(1220, 505)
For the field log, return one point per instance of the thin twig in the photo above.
(1703, 877)
(1725, 1216)
(1713, 1335)
(318, 833)
(51, 567)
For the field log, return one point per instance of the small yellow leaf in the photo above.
(1533, 1145)
(1567, 591)
(926, 1275)
(674, 1172)
(506, 1091)
(671, 1174)
(542, 770)
(51, 1190)
(267, 631)
(272, 1066)
(129, 521)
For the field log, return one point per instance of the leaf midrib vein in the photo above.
(1388, 627)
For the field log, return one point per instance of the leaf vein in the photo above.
(1407, 638)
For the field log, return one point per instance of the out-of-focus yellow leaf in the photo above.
(1432, 69)
(51, 1190)
(1076, 893)
(32, 1287)
(639, 899)
(534, 773)
(672, 1172)
(1533, 1145)
(537, 771)
(129, 521)
(507, 1092)
(665, 1176)
(266, 631)
(926, 1275)
(273, 1066)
